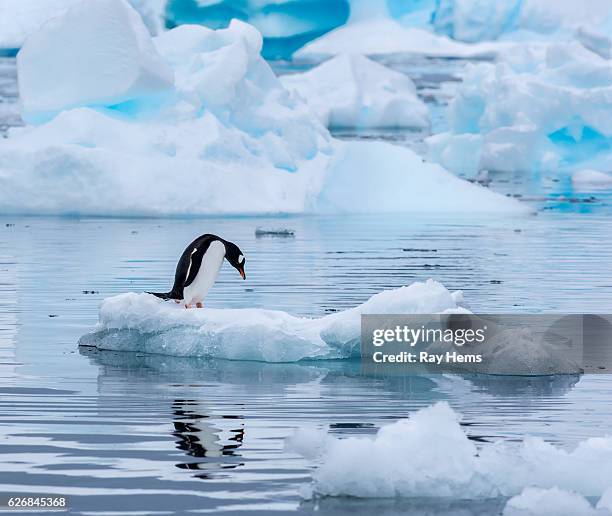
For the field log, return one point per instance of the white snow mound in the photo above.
(430, 455)
(146, 324)
(98, 54)
(351, 90)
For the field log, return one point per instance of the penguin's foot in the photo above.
(188, 306)
(177, 301)
(199, 305)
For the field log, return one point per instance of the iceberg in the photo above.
(590, 180)
(429, 455)
(224, 138)
(97, 54)
(21, 18)
(518, 20)
(536, 109)
(144, 323)
(476, 20)
(351, 90)
(284, 24)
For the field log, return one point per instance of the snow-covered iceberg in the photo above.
(430, 456)
(225, 138)
(545, 108)
(351, 90)
(21, 18)
(144, 323)
(98, 54)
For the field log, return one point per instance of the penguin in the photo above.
(198, 268)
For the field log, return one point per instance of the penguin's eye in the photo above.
(240, 259)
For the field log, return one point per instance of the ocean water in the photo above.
(126, 433)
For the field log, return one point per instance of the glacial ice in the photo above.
(284, 24)
(351, 90)
(144, 323)
(20, 18)
(430, 455)
(226, 138)
(537, 108)
(97, 54)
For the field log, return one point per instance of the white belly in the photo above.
(207, 275)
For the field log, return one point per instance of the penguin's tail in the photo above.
(162, 295)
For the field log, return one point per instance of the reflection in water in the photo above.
(198, 437)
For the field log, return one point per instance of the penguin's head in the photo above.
(235, 257)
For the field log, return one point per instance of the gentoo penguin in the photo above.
(198, 268)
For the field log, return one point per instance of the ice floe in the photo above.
(537, 108)
(98, 54)
(429, 455)
(351, 90)
(225, 138)
(144, 323)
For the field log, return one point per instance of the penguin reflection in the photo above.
(198, 437)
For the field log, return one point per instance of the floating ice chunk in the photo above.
(97, 54)
(351, 90)
(429, 455)
(535, 109)
(585, 180)
(144, 323)
(605, 502)
(535, 501)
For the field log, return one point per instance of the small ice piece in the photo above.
(97, 54)
(278, 232)
(429, 455)
(535, 501)
(146, 324)
(351, 90)
(586, 180)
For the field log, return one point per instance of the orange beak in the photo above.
(241, 271)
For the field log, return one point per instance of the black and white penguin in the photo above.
(198, 268)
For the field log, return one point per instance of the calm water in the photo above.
(129, 432)
(134, 434)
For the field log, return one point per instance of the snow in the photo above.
(537, 108)
(146, 324)
(225, 138)
(351, 90)
(20, 18)
(97, 54)
(430, 455)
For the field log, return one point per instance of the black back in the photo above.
(181, 280)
